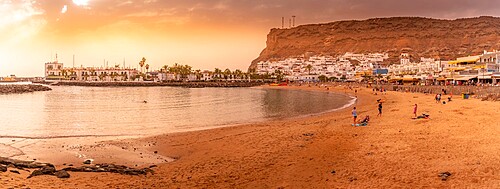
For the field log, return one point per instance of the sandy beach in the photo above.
(321, 151)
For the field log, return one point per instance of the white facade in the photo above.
(303, 69)
(55, 71)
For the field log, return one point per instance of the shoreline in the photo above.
(66, 140)
(192, 84)
(126, 142)
(324, 151)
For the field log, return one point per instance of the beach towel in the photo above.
(360, 124)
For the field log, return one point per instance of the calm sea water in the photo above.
(87, 111)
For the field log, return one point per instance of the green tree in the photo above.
(165, 68)
(367, 76)
(217, 73)
(227, 73)
(142, 62)
(323, 78)
(185, 71)
(308, 68)
(175, 69)
(279, 75)
(103, 75)
(238, 73)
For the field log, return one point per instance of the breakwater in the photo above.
(481, 92)
(155, 84)
(10, 89)
(490, 93)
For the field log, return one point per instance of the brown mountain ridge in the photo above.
(421, 37)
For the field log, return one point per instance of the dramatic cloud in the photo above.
(17, 11)
(19, 19)
(254, 13)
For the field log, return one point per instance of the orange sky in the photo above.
(204, 34)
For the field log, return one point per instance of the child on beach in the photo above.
(355, 115)
(415, 110)
(438, 98)
(379, 109)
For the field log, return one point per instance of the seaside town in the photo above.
(340, 94)
(481, 69)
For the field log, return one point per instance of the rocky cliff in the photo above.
(421, 37)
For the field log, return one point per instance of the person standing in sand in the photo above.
(415, 110)
(355, 115)
(379, 109)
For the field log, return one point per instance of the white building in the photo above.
(55, 71)
(305, 69)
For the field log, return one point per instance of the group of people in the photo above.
(362, 122)
(381, 90)
(379, 108)
(367, 118)
(439, 95)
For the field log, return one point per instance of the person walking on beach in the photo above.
(355, 115)
(415, 110)
(379, 109)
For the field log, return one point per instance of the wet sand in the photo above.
(322, 151)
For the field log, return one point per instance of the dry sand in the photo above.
(323, 151)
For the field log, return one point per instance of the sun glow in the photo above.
(81, 2)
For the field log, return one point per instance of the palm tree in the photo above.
(198, 74)
(252, 73)
(85, 76)
(147, 67)
(238, 73)
(64, 73)
(279, 75)
(164, 69)
(217, 73)
(227, 73)
(185, 71)
(174, 69)
(113, 75)
(102, 76)
(142, 62)
(309, 67)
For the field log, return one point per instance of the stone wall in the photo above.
(9, 89)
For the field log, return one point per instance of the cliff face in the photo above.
(421, 37)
